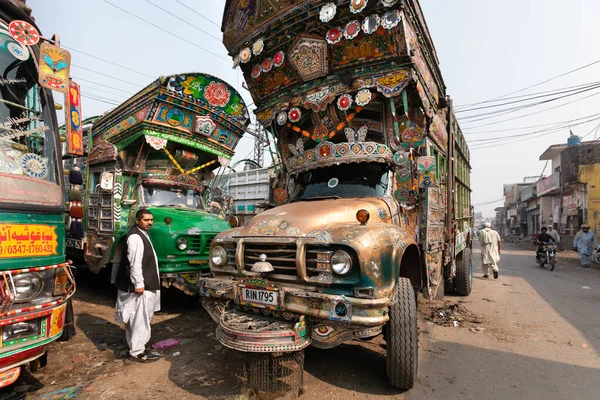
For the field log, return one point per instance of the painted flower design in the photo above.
(217, 94)
(236, 110)
(191, 85)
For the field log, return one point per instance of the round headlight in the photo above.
(182, 243)
(27, 286)
(341, 262)
(218, 256)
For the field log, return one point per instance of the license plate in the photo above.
(259, 297)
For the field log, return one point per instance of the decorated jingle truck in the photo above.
(36, 282)
(157, 151)
(374, 198)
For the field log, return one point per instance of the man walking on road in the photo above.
(138, 281)
(490, 250)
(554, 234)
(585, 242)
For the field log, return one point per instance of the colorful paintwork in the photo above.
(27, 240)
(212, 91)
(419, 60)
(309, 56)
(73, 116)
(378, 46)
(54, 68)
(426, 167)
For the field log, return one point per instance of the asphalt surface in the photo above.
(531, 334)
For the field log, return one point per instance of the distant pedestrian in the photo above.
(554, 234)
(585, 242)
(138, 281)
(490, 250)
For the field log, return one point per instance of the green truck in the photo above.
(157, 151)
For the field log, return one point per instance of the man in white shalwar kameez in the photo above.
(138, 280)
(490, 250)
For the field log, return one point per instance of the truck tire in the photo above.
(463, 281)
(402, 350)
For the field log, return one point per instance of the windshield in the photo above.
(158, 196)
(346, 180)
(28, 159)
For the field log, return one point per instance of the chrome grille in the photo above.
(282, 256)
(194, 243)
(317, 260)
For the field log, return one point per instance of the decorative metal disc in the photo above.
(334, 35)
(352, 29)
(255, 71)
(245, 55)
(363, 97)
(390, 19)
(281, 118)
(258, 47)
(267, 65)
(294, 114)
(370, 24)
(279, 58)
(327, 12)
(344, 102)
(24, 33)
(388, 3)
(18, 51)
(357, 6)
(34, 166)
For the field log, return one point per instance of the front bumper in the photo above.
(320, 306)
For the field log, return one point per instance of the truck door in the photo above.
(432, 220)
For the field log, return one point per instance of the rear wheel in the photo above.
(464, 273)
(402, 338)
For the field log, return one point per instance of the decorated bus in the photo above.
(35, 279)
(158, 151)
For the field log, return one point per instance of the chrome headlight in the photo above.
(218, 256)
(27, 286)
(182, 243)
(341, 262)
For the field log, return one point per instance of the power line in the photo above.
(197, 13)
(537, 96)
(166, 31)
(100, 84)
(102, 101)
(106, 75)
(109, 62)
(547, 130)
(537, 84)
(505, 111)
(184, 21)
(530, 126)
(527, 115)
(103, 91)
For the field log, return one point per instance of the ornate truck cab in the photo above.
(366, 216)
(157, 151)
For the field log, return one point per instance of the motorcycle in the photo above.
(547, 256)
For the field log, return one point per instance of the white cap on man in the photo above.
(488, 225)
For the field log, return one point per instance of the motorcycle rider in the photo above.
(542, 238)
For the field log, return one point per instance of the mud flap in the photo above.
(432, 219)
(98, 251)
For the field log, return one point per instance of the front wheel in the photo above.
(552, 264)
(402, 338)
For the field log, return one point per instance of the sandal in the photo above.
(145, 357)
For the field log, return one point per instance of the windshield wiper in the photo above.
(317, 198)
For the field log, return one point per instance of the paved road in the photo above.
(541, 340)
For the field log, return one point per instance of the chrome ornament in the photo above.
(390, 19)
(327, 12)
(263, 265)
(371, 24)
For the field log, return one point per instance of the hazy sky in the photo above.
(486, 49)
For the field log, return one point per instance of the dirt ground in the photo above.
(530, 334)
